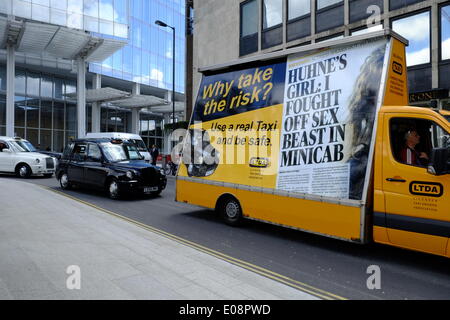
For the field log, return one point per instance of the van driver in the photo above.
(408, 154)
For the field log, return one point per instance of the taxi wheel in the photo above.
(64, 181)
(113, 189)
(23, 171)
(231, 211)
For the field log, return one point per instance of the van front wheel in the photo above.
(231, 211)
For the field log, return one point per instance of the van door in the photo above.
(417, 203)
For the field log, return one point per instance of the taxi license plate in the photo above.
(150, 189)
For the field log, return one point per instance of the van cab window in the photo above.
(412, 140)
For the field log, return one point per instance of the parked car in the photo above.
(16, 156)
(112, 165)
(130, 137)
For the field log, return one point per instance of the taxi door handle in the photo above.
(395, 180)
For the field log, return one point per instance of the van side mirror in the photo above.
(439, 161)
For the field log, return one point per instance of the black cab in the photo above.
(112, 165)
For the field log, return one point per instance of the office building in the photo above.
(229, 30)
(68, 67)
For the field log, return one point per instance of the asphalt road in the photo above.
(332, 265)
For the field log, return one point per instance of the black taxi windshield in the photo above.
(23, 146)
(117, 152)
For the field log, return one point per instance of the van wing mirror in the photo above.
(439, 162)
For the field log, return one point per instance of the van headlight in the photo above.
(130, 175)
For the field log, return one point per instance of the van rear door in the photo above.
(416, 202)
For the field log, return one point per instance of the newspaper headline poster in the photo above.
(302, 124)
(328, 117)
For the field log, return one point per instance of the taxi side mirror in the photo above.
(439, 161)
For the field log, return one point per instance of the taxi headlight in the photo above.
(130, 175)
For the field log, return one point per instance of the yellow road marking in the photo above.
(243, 264)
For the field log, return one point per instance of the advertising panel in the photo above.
(302, 123)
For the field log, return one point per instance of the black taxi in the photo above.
(112, 165)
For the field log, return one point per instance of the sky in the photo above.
(416, 29)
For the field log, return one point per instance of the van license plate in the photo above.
(150, 189)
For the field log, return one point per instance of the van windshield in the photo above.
(120, 152)
(140, 145)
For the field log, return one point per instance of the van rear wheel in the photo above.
(231, 211)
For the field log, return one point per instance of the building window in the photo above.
(298, 8)
(358, 9)
(272, 13)
(397, 4)
(445, 32)
(326, 3)
(329, 15)
(272, 33)
(249, 27)
(418, 51)
(299, 19)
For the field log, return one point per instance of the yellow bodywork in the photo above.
(395, 198)
(319, 217)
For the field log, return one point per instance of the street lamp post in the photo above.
(163, 24)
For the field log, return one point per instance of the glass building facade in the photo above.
(46, 116)
(103, 16)
(148, 57)
(42, 114)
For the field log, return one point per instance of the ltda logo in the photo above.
(397, 68)
(430, 189)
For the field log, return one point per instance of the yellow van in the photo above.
(320, 138)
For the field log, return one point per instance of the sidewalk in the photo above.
(42, 233)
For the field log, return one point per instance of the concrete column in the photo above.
(285, 19)
(167, 147)
(10, 90)
(81, 97)
(136, 90)
(313, 20)
(346, 17)
(135, 127)
(386, 24)
(434, 45)
(96, 107)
